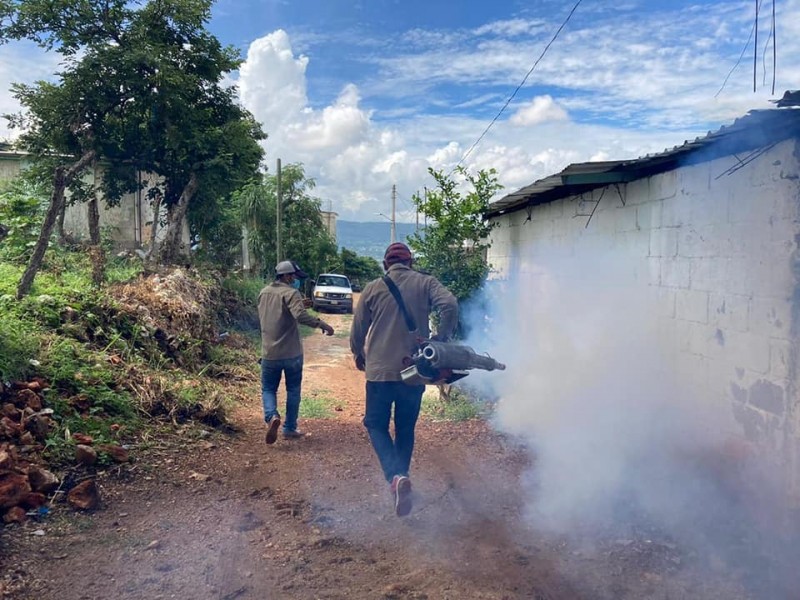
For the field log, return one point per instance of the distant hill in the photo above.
(370, 238)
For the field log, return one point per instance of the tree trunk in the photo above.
(61, 179)
(96, 249)
(152, 251)
(62, 236)
(3, 232)
(171, 249)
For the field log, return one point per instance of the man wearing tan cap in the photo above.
(280, 309)
(380, 339)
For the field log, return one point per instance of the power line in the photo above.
(519, 87)
(741, 56)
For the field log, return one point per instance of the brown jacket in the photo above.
(379, 327)
(280, 309)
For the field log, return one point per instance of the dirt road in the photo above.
(312, 519)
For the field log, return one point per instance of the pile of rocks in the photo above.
(24, 484)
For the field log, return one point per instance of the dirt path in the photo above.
(311, 519)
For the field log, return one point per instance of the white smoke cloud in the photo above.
(616, 438)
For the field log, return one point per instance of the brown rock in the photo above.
(13, 488)
(10, 411)
(84, 496)
(117, 453)
(28, 398)
(6, 462)
(40, 426)
(34, 386)
(8, 428)
(15, 514)
(42, 480)
(85, 455)
(27, 439)
(33, 500)
(82, 438)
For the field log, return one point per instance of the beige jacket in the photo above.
(379, 332)
(280, 309)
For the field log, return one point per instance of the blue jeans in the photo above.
(393, 454)
(271, 371)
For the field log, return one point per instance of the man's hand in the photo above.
(361, 363)
(308, 303)
(326, 329)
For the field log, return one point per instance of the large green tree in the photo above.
(453, 246)
(304, 236)
(142, 89)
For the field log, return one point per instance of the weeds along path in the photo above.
(229, 518)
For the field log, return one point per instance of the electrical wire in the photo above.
(519, 87)
(774, 49)
(755, 48)
(741, 56)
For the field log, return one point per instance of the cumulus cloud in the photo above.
(539, 110)
(21, 62)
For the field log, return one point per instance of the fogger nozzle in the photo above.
(442, 355)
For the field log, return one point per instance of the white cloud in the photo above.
(21, 62)
(539, 110)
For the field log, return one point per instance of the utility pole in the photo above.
(394, 206)
(279, 217)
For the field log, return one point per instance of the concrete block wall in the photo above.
(719, 255)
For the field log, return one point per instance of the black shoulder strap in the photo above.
(410, 323)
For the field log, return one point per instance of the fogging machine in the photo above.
(444, 362)
(437, 362)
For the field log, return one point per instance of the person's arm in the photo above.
(362, 319)
(299, 312)
(445, 302)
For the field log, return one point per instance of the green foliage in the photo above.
(316, 406)
(305, 239)
(18, 345)
(359, 269)
(458, 407)
(142, 90)
(453, 247)
(245, 287)
(21, 210)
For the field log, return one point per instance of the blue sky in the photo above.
(371, 93)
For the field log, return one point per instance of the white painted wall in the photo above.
(719, 255)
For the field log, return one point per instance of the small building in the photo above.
(713, 229)
(329, 219)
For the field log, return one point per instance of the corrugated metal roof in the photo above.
(758, 129)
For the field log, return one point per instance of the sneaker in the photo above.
(272, 430)
(401, 488)
(292, 434)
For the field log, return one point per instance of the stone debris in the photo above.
(84, 496)
(85, 455)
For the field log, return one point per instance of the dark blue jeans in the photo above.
(271, 371)
(393, 454)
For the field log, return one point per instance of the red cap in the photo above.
(397, 252)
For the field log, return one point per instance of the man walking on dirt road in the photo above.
(280, 309)
(380, 339)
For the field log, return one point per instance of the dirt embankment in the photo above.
(225, 517)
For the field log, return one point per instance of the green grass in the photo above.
(245, 287)
(460, 406)
(316, 406)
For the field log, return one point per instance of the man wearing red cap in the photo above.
(380, 340)
(280, 309)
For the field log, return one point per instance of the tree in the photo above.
(359, 269)
(142, 90)
(304, 236)
(453, 248)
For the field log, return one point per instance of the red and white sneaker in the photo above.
(401, 489)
